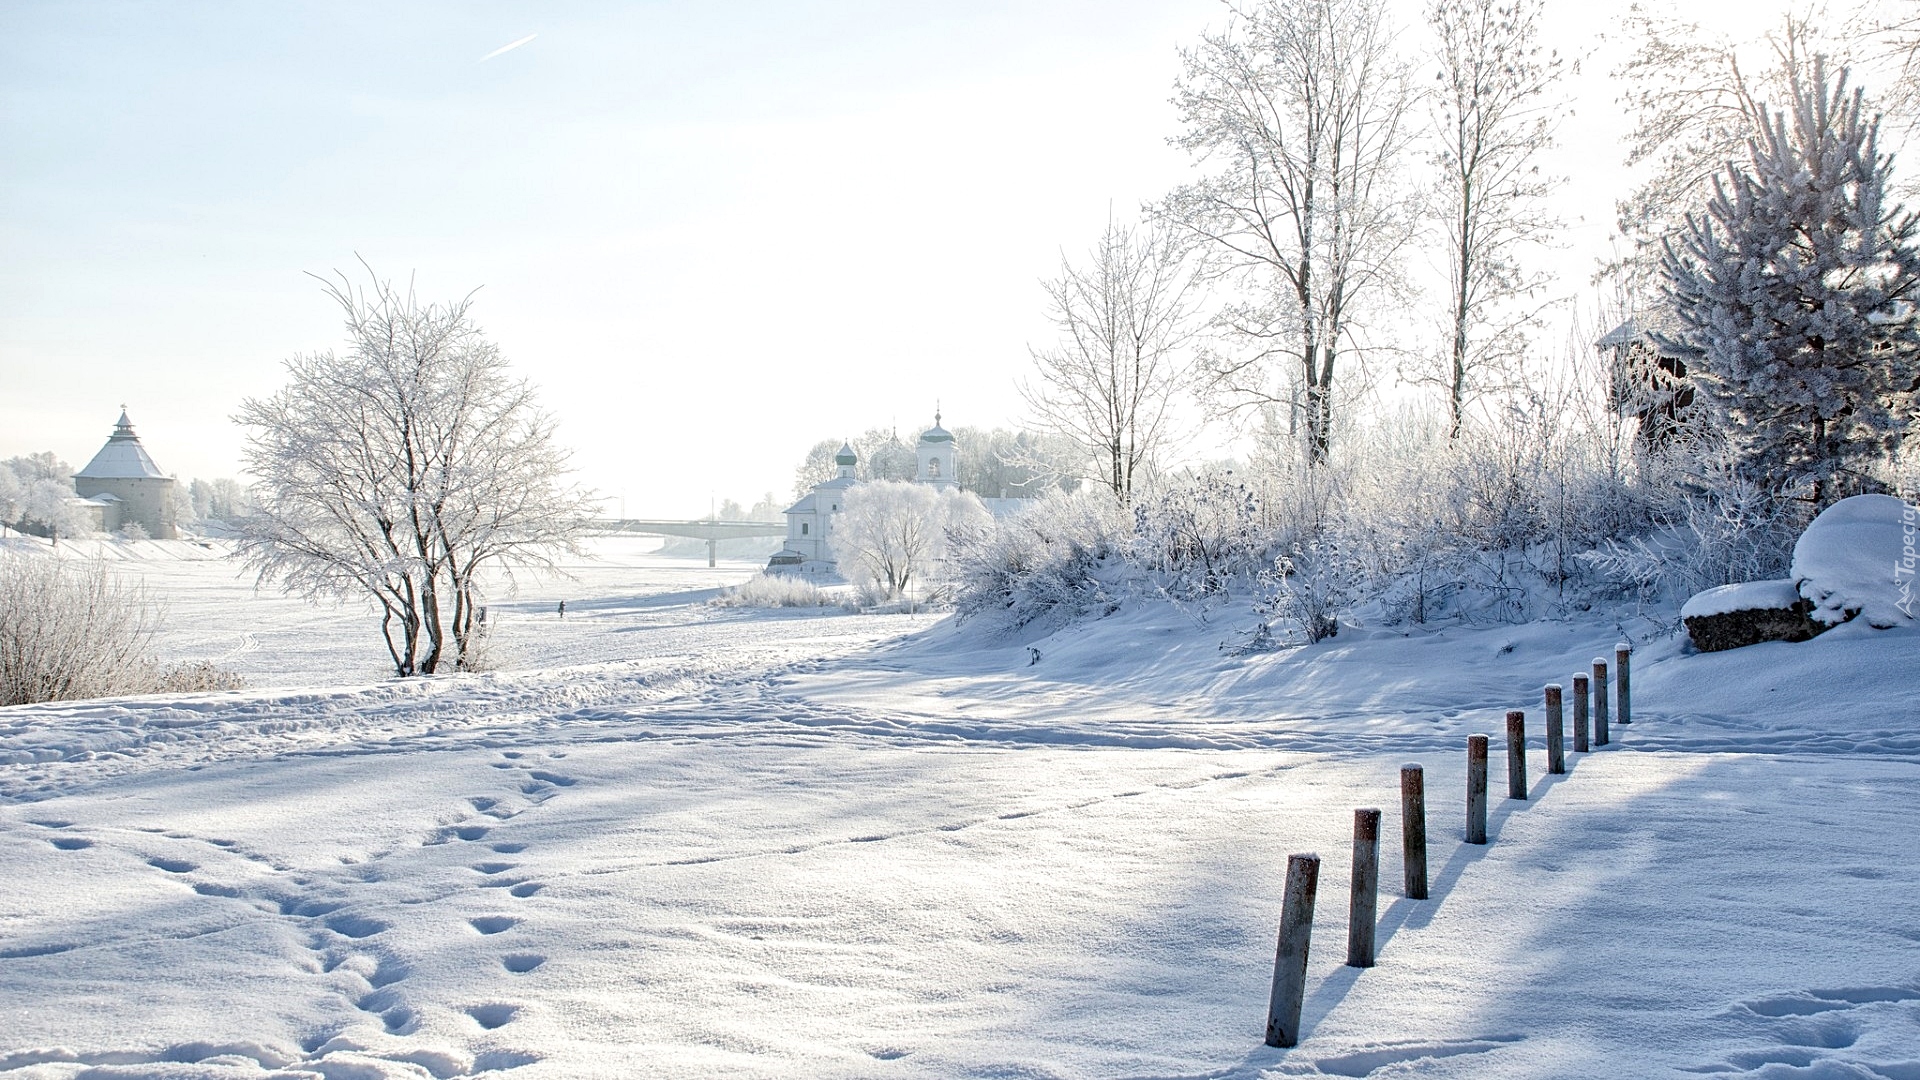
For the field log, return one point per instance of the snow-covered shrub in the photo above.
(199, 677)
(1198, 535)
(1314, 583)
(132, 531)
(1052, 562)
(773, 591)
(1713, 525)
(70, 630)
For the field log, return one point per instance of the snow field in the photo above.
(779, 846)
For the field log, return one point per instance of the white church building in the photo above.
(810, 521)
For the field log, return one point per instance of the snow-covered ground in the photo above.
(675, 840)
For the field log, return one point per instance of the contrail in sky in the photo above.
(509, 47)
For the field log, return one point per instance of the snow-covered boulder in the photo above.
(1729, 616)
(1858, 559)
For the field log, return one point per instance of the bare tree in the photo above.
(401, 470)
(1492, 115)
(1111, 381)
(1696, 99)
(1299, 111)
(892, 533)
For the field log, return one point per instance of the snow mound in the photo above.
(1746, 596)
(1858, 559)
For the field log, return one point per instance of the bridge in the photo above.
(711, 530)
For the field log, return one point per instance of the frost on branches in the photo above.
(893, 535)
(1796, 291)
(403, 469)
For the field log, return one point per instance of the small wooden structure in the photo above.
(1649, 381)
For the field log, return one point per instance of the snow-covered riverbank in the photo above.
(716, 843)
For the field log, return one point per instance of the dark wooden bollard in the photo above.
(1622, 654)
(1580, 714)
(1413, 829)
(1476, 789)
(1516, 755)
(1363, 910)
(1290, 960)
(1599, 701)
(1556, 732)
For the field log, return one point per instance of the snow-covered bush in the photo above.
(1711, 524)
(198, 677)
(70, 630)
(1052, 562)
(773, 591)
(132, 531)
(1198, 535)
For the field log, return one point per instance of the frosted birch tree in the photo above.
(1492, 115)
(402, 469)
(1111, 380)
(1796, 289)
(1298, 112)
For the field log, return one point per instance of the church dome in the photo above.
(936, 433)
(846, 456)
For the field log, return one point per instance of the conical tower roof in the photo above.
(123, 457)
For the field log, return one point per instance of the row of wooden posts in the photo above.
(1303, 870)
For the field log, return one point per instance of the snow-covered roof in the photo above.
(122, 458)
(1637, 330)
(104, 498)
(806, 505)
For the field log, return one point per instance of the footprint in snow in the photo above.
(171, 866)
(521, 963)
(1806, 1027)
(356, 926)
(493, 1015)
(493, 867)
(493, 924)
(71, 843)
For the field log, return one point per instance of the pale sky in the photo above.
(712, 234)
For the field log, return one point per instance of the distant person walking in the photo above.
(563, 609)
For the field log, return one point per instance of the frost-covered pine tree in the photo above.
(1796, 292)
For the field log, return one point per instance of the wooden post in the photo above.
(1599, 701)
(1290, 960)
(1516, 754)
(1580, 714)
(1556, 732)
(1413, 829)
(1622, 654)
(1476, 789)
(1363, 909)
